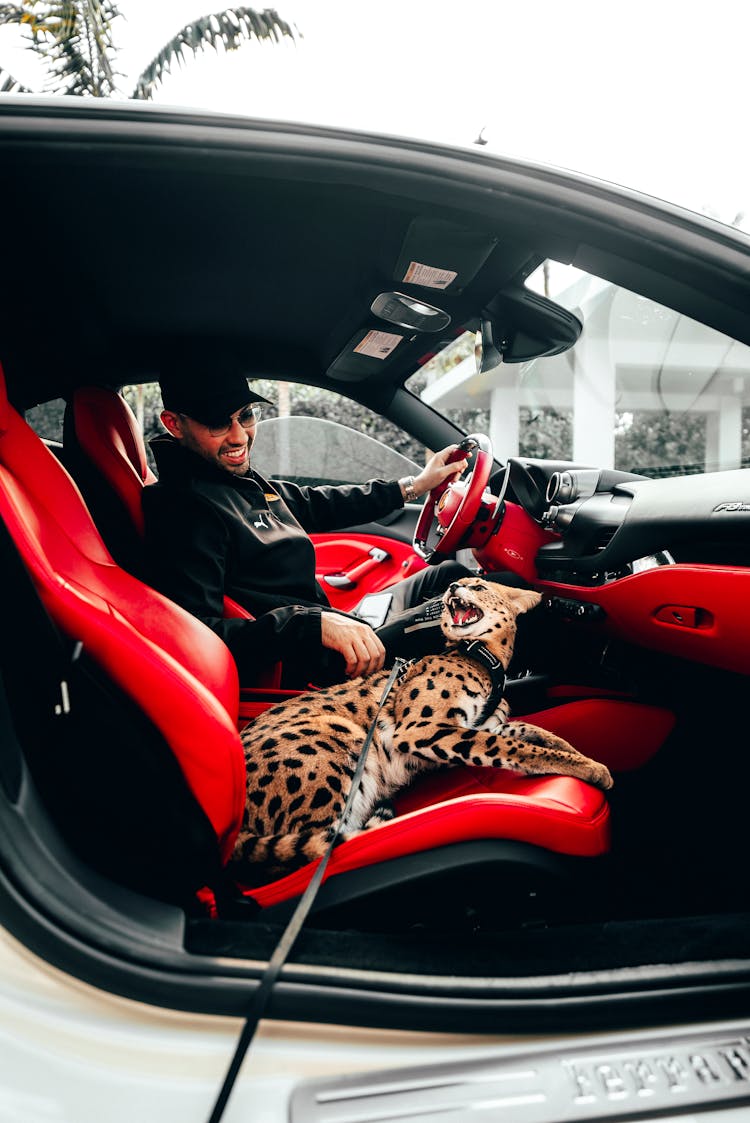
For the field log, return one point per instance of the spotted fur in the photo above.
(301, 754)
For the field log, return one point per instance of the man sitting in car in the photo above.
(216, 528)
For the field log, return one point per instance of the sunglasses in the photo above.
(249, 417)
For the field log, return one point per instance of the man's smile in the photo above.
(235, 457)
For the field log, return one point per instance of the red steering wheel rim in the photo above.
(450, 539)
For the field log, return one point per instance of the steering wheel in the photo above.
(450, 508)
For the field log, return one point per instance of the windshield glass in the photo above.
(645, 389)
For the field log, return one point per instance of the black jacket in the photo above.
(210, 534)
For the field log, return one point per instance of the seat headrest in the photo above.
(105, 428)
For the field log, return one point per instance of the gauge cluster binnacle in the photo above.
(586, 525)
(602, 522)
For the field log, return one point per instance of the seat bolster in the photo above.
(557, 813)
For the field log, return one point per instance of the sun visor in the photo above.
(440, 256)
(367, 352)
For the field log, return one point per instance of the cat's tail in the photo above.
(280, 854)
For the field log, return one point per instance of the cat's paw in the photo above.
(600, 776)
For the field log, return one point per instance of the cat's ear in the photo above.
(524, 599)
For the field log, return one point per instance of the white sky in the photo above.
(649, 93)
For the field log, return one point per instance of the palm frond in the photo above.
(9, 84)
(80, 47)
(74, 40)
(228, 28)
(11, 13)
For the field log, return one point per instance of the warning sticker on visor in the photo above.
(378, 344)
(429, 276)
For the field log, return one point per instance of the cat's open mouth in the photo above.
(463, 613)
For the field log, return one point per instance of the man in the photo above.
(214, 527)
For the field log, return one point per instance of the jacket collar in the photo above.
(174, 462)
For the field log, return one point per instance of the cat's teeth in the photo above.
(462, 617)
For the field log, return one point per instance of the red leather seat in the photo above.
(178, 673)
(106, 431)
(181, 678)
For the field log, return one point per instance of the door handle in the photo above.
(351, 577)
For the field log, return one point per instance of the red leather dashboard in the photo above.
(698, 612)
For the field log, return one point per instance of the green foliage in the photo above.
(654, 444)
(13, 14)
(546, 434)
(310, 401)
(661, 444)
(145, 402)
(46, 419)
(74, 40)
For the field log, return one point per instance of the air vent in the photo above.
(604, 537)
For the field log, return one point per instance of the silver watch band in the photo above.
(407, 489)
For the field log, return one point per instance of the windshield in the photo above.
(645, 389)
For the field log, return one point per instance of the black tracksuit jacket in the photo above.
(210, 534)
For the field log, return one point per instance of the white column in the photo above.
(504, 418)
(594, 385)
(724, 434)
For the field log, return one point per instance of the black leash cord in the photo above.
(289, 936)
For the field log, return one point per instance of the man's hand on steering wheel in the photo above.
(439, 471)
(451, 505)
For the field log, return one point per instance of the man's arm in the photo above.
(439, 469)
(325, 508)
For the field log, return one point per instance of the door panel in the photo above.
(350, 565)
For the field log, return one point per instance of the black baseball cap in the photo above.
(208, 387)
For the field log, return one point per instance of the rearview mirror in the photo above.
(520, 325)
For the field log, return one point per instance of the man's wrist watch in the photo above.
(407, 489)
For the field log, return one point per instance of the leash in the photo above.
(289, 936)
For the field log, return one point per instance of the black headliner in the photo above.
(129, 226)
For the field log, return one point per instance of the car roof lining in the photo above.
(276, 218)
